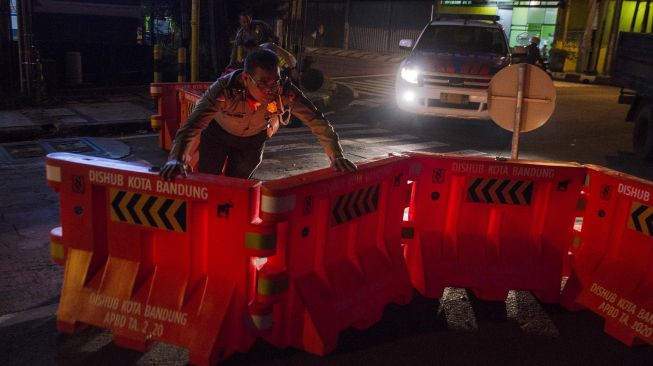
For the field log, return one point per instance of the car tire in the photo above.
(643, 133)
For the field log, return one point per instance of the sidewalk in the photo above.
(112, 114)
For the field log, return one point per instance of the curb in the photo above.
(52, 131)
(574, 77)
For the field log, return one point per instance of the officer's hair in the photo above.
(265, 59)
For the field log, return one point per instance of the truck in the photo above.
(633, 72)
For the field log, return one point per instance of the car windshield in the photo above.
(462, 39)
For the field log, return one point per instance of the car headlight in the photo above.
(409, 74)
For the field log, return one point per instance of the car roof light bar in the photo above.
(467, 17)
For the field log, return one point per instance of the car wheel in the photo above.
(643, 133)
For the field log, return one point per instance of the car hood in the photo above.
(454, 63)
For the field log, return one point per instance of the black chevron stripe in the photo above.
(502, 186)
(336, 213)
(375, 197)
(649, 224)
(180, 216)
(486, 190)
(346, 206)
(162, 213)
(116, 205)
(528, 193)
(357, 201)
(513, 192)
(472, 190)
(146, 211)
(366, 199)
(130, 207)
(635, 217)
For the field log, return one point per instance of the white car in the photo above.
(450, 66)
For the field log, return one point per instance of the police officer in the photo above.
(254, 31)
(238, 113)
(533, 55)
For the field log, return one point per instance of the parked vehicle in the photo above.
(450, 66)
(633, 71)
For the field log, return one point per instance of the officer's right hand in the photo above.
(171, 168)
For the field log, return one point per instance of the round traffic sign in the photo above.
(538, 97)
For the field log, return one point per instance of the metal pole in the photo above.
(632, 21)
(586, 42)
(614, 32)
(565, 27)
(195, 36)
(346, 37)
(514, 154)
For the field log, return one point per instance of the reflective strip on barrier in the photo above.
(277, 205)
(612, 273)
(151, 211)
(503, 191)
(258, 241)
(155, 122)
(270, 287)
(355, 204)
(491, 226)
(261, 316)
(57, 249)
(155, 91)
(53, 173)
(640, 218)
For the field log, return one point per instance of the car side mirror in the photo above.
(406, 44)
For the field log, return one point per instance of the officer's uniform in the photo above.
(229, 125)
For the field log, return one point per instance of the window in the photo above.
(462, 39)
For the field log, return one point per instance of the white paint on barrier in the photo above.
(277, 205)
(53, 173)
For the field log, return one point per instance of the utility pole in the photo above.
(195, 36)
(614, 32)
(25, 62)
(5, 47)
(586, 42)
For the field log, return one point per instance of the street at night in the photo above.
(96, 119)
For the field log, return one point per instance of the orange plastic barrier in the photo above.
(339, 258)
(168, 118)
(613, 268)
(158, 261)
(489, 225)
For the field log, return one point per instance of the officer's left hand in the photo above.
(343, 164)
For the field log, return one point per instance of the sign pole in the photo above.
(514, 154)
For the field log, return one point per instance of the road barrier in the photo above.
(154, 260)
(489, 225)
(212, 263)
(339, 251)
(169, 108)
(613, 268)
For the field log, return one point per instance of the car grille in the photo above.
(467, 106)
(458, 82)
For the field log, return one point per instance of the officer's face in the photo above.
(263, 85)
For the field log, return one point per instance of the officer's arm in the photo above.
(306, 111)
(188, 136)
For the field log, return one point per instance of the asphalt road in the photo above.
(457, 329)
